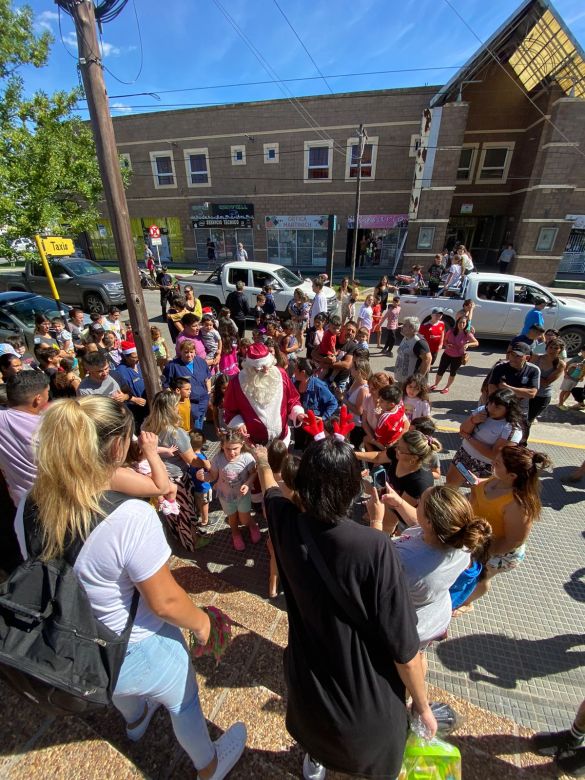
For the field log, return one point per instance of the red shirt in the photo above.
(433, 333)
(328, 343)
(390, 425)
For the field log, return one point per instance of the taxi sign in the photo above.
(57, 246)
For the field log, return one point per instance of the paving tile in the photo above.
(19, 722)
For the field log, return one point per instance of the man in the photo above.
(534, 316)
(434, 332)
(414, 355)
(532, 338)
(164, 282)
(518, 375)
(129, 376)
(319, 304)
(241, 254)
(261, 398)
(76, 326)
(239, 308)
(210, 250)
(507, 255)
(97, 380)
(191, 329)
(347, 349)
(27, 396)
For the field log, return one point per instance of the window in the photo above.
(368, 159)
(494, 162)
(318, 160)
(238, 155)
(490, 291)
(292, 247)
(270, 153)
(546, 239)
(236, 275)
(414, 145)
(197, 166)
(163, 170)
(125, 162)
(262, 278)
(467, 162)
(526, 293)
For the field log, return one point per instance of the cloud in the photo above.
(122, 108)
(109, 50)
(45, 19)
(70, 39)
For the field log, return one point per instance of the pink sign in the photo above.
(379, 221)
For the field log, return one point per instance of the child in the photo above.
(281, 358)
(315, 333)
(434, 332)
(257, 337)
(426, 426)
(113, 353)
(243, 345)
(65, 382)
(363, 338)
(392, 423)
(269, 305)
(112, 322)
(277, 453)
(144, 474)
(273, 329)
(202, 487)
(376, 320)
(211, 340)
(235, 471)
(416, 398)
(181, 386)
(390, 321)
(228, 333)
(289, 344)
(366, 315)
(574, 373)
(63, 337)
(159, 347)
(259, 313)
(218, 392)
(18, 344)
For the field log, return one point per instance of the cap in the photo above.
(521, 349)
(96, 327)
(127, 347)
(437, 310)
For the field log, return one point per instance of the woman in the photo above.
(434, 551)
(298, 309)
(371, 410)
(174, 314)
(81, 444)
(315, 396)
(346, 665)
(405, 464)
(510, 502)
(165, 422)
(198, 373)
(42, 337)
(344, 297)
(355, 396)
(192, 303)
(457, 341)
(484, 433)
(467, 311)
(552, 367)
(454, 275)
(382, 291)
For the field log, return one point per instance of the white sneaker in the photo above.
(136, 730)
(312, 770)
(229, 747)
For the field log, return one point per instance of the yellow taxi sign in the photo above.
(57, 246)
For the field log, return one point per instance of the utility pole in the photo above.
(362, 138)
(83, 14)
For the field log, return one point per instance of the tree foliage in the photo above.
(49, 176)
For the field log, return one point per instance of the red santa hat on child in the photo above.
(128, 347)
(258, 355)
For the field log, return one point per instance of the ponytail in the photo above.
(453, 521)
(525, 464)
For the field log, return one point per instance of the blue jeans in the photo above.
(159, 668)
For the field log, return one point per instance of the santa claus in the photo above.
(262, 398)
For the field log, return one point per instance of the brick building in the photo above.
(497, 155)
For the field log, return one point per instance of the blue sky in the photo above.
(189, 43)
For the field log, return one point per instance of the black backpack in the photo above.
(52, 648)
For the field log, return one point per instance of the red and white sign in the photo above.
(154, 231)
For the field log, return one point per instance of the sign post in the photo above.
(155, 239)
(57, 247)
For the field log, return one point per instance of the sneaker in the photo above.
(549, 743)
(229, 748)
(169, 507)
(238, 542)
(313, 770)
(136, 730)
(572, 762)
(562, 408)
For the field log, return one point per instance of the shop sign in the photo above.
(298, 222)
(222, 222)
(578, 221)
(233, 210)
(387, 221)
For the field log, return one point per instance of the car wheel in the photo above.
(574, 339)
(94, 303)
(211, 303)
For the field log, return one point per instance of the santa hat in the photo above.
(207, 310)
(127, 347)
(259, 355)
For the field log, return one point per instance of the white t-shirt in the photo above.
(365, 317)
(318, 306)
(232, 474)
(489, 432)
(127, 547)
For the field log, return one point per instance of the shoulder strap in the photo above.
(342, 601)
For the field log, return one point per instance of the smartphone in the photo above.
(380, 481)
(470, 478)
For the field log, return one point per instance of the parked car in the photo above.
(501, 304)
(79, 283)
(215, 289)
(18, 311)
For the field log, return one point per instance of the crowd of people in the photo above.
(306, 430)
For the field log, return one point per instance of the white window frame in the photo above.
(509, 145)
(188, 152)
(125, 161)
(267, 149)
(414, 144)
(311, 145)
(469, 179)
(234, 151)
(354, 142)
(155, 173)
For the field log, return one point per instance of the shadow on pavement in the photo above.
(575, 587)
(480, 757)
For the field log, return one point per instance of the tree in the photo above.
(49, 176)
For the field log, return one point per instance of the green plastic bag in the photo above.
(430, 759)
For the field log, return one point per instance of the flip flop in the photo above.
(238, 543)
(444, 391)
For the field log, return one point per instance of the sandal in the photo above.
(238, 543)
(433, 388)
(255, 534)
(444, 391)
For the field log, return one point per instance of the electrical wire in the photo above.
(308, 53)
(112, 74)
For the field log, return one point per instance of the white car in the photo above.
(23, 245)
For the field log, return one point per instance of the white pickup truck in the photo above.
(215, 289)
(501, 304)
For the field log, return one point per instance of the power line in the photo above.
(112, 74)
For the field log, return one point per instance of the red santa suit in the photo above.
(270, 420)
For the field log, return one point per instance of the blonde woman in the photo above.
(81, 443)
(355, 396)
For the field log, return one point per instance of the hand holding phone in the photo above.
(470, 478)
(379, 481)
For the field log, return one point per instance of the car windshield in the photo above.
(286, 276)
(82, 268)
(27, 309)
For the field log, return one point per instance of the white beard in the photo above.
(264, 391)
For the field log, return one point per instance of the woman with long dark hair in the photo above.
(551, 367)
(457, 341)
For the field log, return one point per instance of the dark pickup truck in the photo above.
(79, 283)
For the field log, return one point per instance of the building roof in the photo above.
(539, 47)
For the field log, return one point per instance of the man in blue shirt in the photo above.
(129, 376)
(534, 316)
